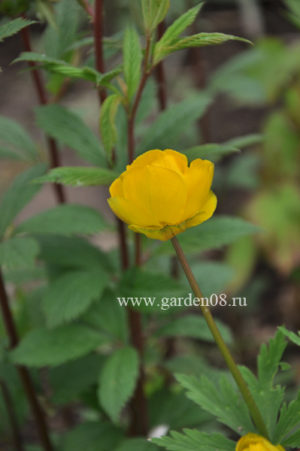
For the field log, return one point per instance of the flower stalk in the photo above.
(245, 392)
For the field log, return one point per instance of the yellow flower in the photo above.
(160, 195)
(254, 442)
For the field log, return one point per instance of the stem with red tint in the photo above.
(42, 96)
(37, 411)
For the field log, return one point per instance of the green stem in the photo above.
(249, 400)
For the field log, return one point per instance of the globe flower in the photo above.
(160, 195)
(255, 442)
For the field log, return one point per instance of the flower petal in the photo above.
(207, 210)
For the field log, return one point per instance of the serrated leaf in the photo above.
(137, 444)
(68, 128)
(69, 219)
(107, 122)
(14, 26)
(18, 252)
(66, 253)
(294, 338)
(220, 399)
(268, 399)
(193, 440)
(62, 68)
(69, 380)
(293, 440)
(168, 126)
(145, 289)
(269, 359)
(193, 326)
(70, 295)
(132, 55)
(196, 40)
(178, 26)
(107, 316)
(18, 195)
(154, 12)
(213, 234)
(117, 380)
(93, 436)
(167, 407)
(79, 176)
(43, 347)
(15, 143)
(288, 420)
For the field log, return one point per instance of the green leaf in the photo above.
(71, 294)
(42, 347)
(137, 444)
(146, 289)
(220, 399)
(269, 359)
(288, 420)
(166, 406)
(117, 380)
(294, 338)
(154, 12)
(193, 326)
(241, 142)
(213, 234)
(66, 253)
(173, 31)
(107, 316)
(294, 13)
(69, 380)
(15, 143)
(293, 440)
(107, 122)
(268, 399)
(196, 40)
(14, 26)
(92, 436)
(62, 68)
(213, 277)
(193, 440)
(168, 126)
(18, 252)
(212, 152)
(68, 128)
(61, 34)
(70, 219)
(132, 54)
(79, 176)
(18, 195)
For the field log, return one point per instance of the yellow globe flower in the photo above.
(160, 195)
(255, 442)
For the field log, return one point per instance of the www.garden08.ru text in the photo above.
(164, 303)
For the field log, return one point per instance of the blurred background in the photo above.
(256, 92)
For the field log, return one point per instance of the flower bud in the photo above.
(160, 195)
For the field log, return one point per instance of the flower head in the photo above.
(255, 442)
(160, 195)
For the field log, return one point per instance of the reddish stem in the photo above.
(16, 434)
(42, 96)
(12, 334)
(160, 75)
